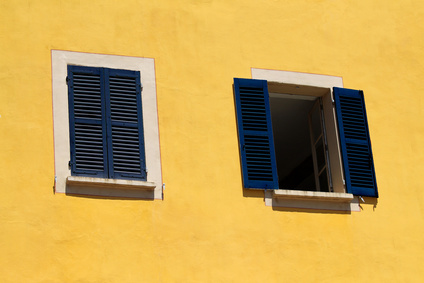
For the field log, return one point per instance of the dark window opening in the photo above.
(299, 140)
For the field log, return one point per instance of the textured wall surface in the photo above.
(207, 229)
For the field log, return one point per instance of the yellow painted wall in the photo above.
(207, 229)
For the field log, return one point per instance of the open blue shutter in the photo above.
(355, 142)
(255, 134)
(86, 122)
(125, 125)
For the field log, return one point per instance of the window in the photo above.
(289, 138)
(105, 125)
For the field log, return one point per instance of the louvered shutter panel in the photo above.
(125, 125)
(86, 122)
(255, 134)
(355, 142)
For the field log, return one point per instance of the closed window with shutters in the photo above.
(106, 123)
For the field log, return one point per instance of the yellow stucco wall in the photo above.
(207, 229)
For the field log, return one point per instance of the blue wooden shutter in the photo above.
(86, 122)
(255, 134)
(125, 125)
(355, 142)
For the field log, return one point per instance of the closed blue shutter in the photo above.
(355, 142)
(106, 123)
(125, 125)
(255, 134)
(86, 116)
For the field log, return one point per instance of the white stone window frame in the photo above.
(64, 181)
(337, 200)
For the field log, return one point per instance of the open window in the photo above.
(290, 138)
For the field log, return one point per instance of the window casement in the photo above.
(106, 123)
(106, 135)
(289, 140)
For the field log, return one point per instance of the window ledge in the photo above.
(313, 196)
(78, 181)
(311, 200)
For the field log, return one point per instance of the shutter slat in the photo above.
(132, 156)
(89, 148)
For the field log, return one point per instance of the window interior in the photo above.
(300, 142)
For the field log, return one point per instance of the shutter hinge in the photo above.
(70, 163)
(67, 80)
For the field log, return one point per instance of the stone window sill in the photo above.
(311, 200)
(315, 196)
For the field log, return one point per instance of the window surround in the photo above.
(296, 83)
(64, 182)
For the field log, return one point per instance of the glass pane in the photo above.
(316, 123)
(320, 152)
